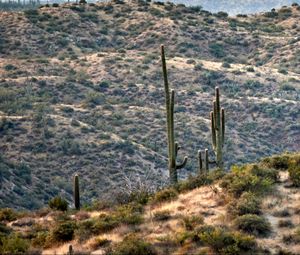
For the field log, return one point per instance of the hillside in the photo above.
(82, 91)
(252, 210)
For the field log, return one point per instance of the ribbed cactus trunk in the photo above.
(76, 192)
(173, 146)
(217, 117)
(203, 162)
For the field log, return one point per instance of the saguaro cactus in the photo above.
(173, 146)
(217, 117)
(203, 162)
(76, 192)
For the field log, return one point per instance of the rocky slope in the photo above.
(81, 91)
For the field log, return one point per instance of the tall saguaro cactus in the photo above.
(76, 192)
(217, 117)
(173, 146)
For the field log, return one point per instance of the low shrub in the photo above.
(7, 215)
(164, 195)
(162, 215)
(58, 203)
(277, 162)
(248, 203)
(246, 179)
(104, 223)
(133, 245)
(253, 224)
(63, 231)
(285, 224)
(294, 170)
(191, 222)
(193, 182)
(226, 242)
(13, 244)
(130, 214)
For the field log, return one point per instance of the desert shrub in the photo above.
(242, 179)
(285, 224)
(198, 67)
(282, 213)
(105, 223)
(13, 244)
(287, 87)
(292, 237)
(9, 67)
(282, 71)
(133, 245)
(217, 50)
(250, 69)
(193, 182)
(225, 242)
(58, 203)
(162, 215)
(99, 242)
(221, 14)
(191, 222)
(226, 65)
(248, 203)
(70, 147)
(253, 224)
(294, 171)
(63, 231)
(265, 173)
(277, 162)
(165, 195)
(7, 215)
(129, 214)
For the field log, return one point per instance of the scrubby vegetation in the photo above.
(89, 99)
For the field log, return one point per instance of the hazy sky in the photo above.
(237, 6)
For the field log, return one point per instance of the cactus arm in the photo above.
(223, 125)
(206, 160)
(182, 165)
(200, 161)
(213, 130)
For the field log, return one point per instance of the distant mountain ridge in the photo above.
(234, 7)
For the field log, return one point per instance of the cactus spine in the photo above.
(76, 192)
(173, 146)
(217, 117)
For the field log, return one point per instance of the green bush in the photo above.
(193, 182)
(294, 172)
(129, 214)
(13, 244)
(63, 231)
(7, 215)
(225, 242)
(295, 175)
(191, 222)
(244, 179)
(133, 245)
(217, 50)
(105, 223)
(253, 224)
(277, 162)
(165, 195)
(248, 203)
(58, 203)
